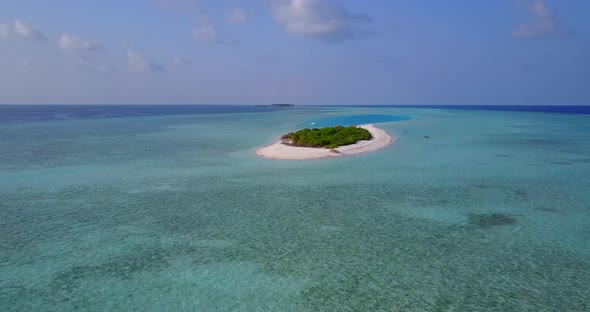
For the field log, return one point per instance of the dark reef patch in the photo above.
(481, 186)
(491, 220)
(560, 163)
(546, 209)
(123, 268)
(521, 194)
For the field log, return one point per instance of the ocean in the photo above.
(168, 208)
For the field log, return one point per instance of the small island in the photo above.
(331, 137)
(327, 142)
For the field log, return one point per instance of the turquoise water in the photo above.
(353, 120)
(176, 213)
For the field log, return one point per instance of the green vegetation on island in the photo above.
(331, 137)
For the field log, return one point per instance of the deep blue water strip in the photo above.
(564, 109)
(31, 113)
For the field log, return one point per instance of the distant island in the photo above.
(283, 105)
(331, 137)
(276, 105)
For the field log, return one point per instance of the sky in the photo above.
(314, 52)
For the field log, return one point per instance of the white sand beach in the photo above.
(279, 150)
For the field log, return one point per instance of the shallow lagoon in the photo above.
(177, 213)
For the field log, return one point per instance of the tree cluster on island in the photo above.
(331, 137)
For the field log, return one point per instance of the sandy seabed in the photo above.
(278, 150)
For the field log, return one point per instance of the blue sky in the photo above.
(297, 51)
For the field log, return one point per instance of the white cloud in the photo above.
(23, 30)
(539, 9)
(68, 42)
(137, 63)
(79, 51)
(323, 19)
(19, 30)
(237, 16)
(205, 33)
(544, 23)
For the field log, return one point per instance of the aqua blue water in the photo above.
(352, 120)
(176, 213)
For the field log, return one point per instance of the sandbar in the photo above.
(278, 150)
